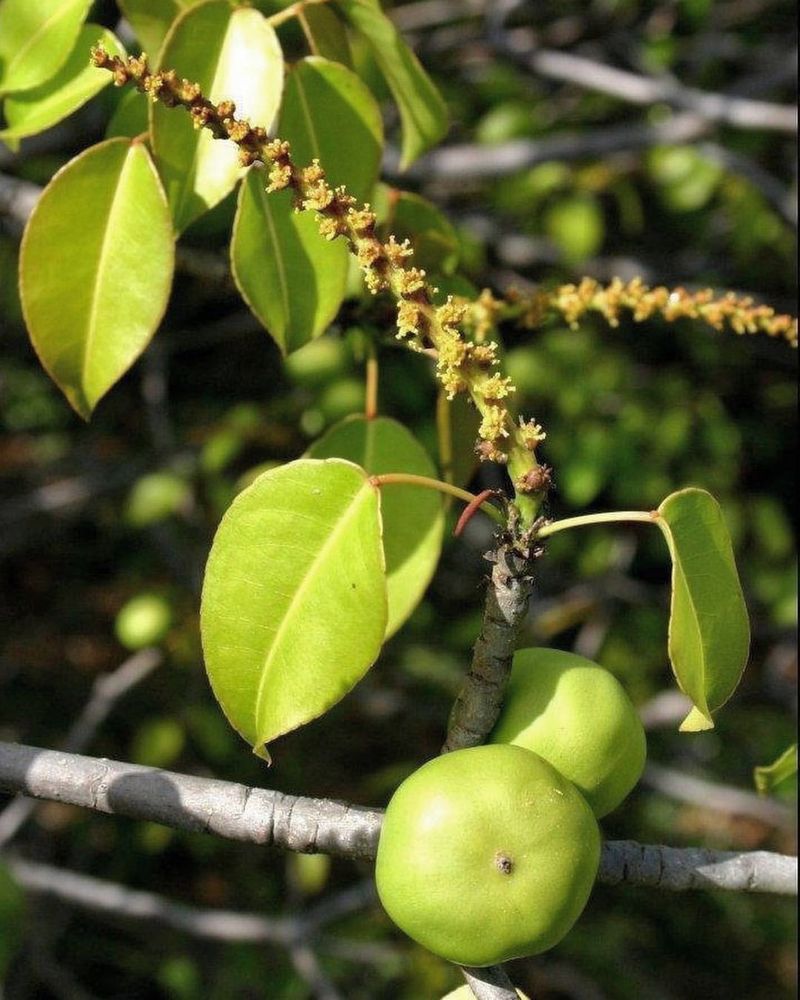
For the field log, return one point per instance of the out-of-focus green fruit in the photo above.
(341, 398)
(143, 621)
(317, 362)
(155, 497)
(578, 717)
(576, 223)
(486, 854)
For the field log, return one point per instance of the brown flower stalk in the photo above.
(462, 365)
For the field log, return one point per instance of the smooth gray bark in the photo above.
(260, 816)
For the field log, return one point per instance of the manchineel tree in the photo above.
(487, 853)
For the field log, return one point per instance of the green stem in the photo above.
(409, 479)
(291, 11)
(371, 388)
(647, 516)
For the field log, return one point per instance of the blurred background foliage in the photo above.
(104, 527)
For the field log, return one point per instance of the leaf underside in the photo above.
(234, 55)
(709, 632)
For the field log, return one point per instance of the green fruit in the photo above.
(143, 621)
(486, 854)
(578, 717)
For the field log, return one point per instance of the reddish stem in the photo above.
(471, 509)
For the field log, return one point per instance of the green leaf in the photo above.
(423, 113)
(96, 268)
(769, 776)
(326, 34)
(294, 600)
(12, 912)
(709, 633)
(36, 38)
(413, 520)
(72, 86)
(292, 278)
(130, 118)
(234, 55)
(409, 216)
(457, 423)
(152, 19)
(328, 114)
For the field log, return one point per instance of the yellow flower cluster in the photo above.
(737, 313)
(462, 365)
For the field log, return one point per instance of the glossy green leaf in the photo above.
(709, 632)
(769, 776)
(130, 117)
(72, 86)
(234, 55)
(36, 38)
(152, 19)
(412, 517)
(409, 216)
(294, 599)
(457, 423)
(292, 278)
(328, 114)
(423, 113)
(96, 268)
(326, 34)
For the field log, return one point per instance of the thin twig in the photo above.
(469, 161)
(519, 45)
(260, 816)
(717, 797)
(227, 926)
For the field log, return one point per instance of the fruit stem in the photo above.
(647, 516)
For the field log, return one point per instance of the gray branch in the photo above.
(185, 802)
(491, 983)
(110, 899)
(717, 797)
(260, 816)
(478, 704)
(468, 161)
(520, 46)
(679, 869)
(106, 692)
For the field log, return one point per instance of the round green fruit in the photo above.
(143, 621)
(578, 717)
(486, 854)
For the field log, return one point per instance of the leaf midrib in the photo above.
(355, 506)
(307, 116)
(280, 266)
(187, 187)
(52, 19)
(109, 239)
(678, 567)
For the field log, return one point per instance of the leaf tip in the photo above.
(696, 721)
